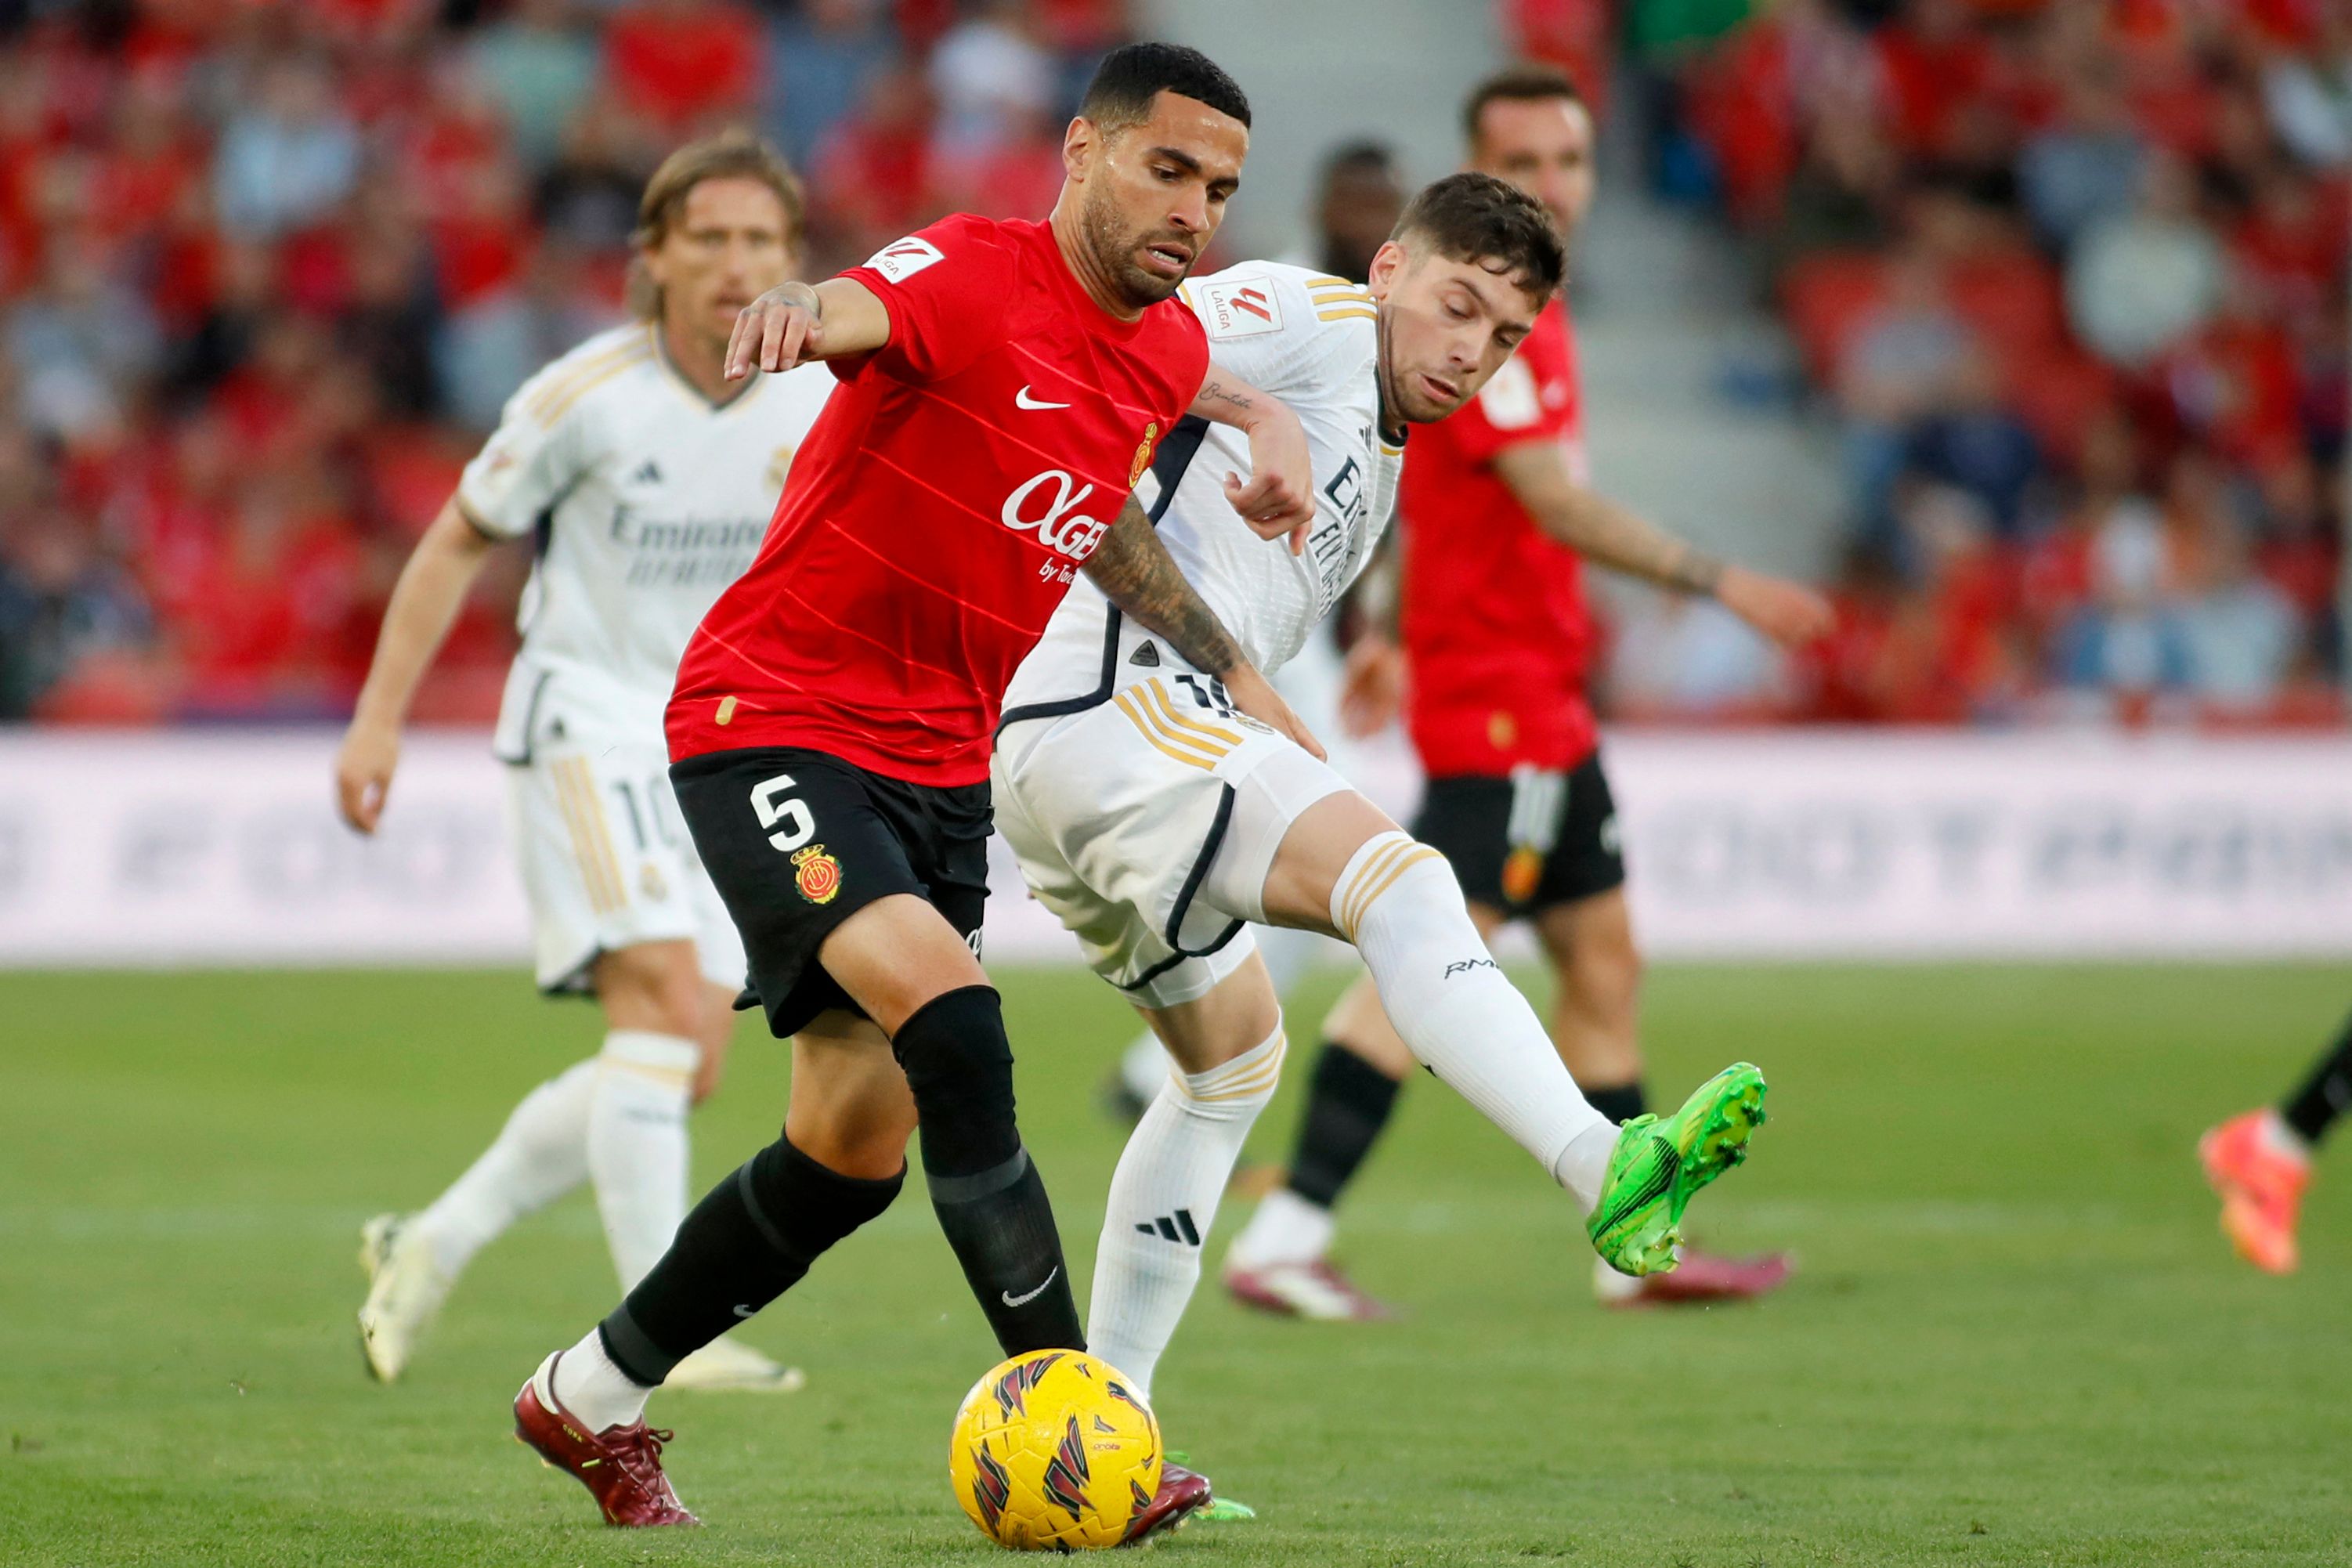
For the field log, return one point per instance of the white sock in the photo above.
(636, 1144)
(1163, 1199)
(587, 1384)
(1398, 901)
(538, 1156)
(1286, 1228)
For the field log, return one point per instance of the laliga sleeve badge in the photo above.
(817, 874)
(1522, 869)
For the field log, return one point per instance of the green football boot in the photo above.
(1659, 1165)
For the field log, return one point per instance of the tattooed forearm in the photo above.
(1135, 571)
(1225, 401)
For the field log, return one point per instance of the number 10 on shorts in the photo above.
(770, 800)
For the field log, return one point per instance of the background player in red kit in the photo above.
(1002, 388)
(1495, 510)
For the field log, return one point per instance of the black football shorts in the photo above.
(797, 841)
(1527, 842)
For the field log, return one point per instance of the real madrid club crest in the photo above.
(817, 874)
(1143, 454)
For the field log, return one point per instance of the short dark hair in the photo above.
(1528, 83)
(1358, 158)
(1132, 75)
(1480, 219)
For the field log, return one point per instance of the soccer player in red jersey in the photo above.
(1002, 388)
(1496, 511)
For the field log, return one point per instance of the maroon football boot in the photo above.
(1181, 1495)
(621, 1466)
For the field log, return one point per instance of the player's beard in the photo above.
(1115, 243)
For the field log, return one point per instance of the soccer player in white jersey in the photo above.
(1156, 823)
(645, 481)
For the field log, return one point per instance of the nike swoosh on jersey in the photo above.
(1021, 399)
(1012, 1301)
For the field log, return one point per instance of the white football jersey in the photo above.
(1313, 340)
(644, 501)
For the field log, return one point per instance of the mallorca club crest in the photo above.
(817, 874)
(1143, 454)
(1522, 871)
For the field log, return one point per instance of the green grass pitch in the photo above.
(2015, 1338)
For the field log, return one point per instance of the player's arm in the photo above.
(795, 322)
(1280, 495)
(1136, 573)
(424, 603)
(1615, 536)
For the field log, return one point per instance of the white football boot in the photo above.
(406, 1289)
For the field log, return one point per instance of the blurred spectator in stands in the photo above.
(589, 199)
(61, 605)
(392, 311)
(2240, 636)
(80, 343)
(2310, 96)
(2126, 642)
(873, 178)
(539, 65)
(1906, 362)
(682, 65)
(819, 58)
(288, 155)
(2139, 284)
(1977, 444)
(990, 78)
(492, 346)
(1840, 196)
(2086, 167)
(1357, 204)
(1016, 175)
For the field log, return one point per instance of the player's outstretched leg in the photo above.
(2260, 1163)
(1659, 1165)
(413, 1261)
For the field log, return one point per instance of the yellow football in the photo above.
(1053, 1452)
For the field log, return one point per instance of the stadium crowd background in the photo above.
(2068, 275)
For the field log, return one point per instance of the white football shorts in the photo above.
(607, 863)
(1147, 824)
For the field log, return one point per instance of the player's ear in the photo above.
(1080, 143)
(1388, 265)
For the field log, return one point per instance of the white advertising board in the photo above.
(177, 847)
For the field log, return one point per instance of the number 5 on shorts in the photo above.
(792, 815)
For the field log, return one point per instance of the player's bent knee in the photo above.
(959, 1066)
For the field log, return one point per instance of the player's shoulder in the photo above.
(964, 240)
(1274, 299)
(570, 381)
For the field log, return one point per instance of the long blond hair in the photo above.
(727, 155)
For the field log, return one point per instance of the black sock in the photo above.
(990, 1201)
(1621, 1102)
(2326, 1095)
(1348, 1102)
(746, 1243)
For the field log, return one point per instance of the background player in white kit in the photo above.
(645, 480)
(1156, 822)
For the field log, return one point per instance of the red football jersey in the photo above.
(1495, 621)
(940, 510)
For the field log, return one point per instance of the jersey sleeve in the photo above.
(1282, 329)
(944, 288)
(1508, 410)
(530, 460)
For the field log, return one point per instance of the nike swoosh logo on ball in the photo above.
(1021, 399)
(1012, 1301)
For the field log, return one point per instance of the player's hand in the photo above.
(1371, 690)
(1255, 695)
(1789, 613)
(1280, 495)
(776, 332)
(363, 771)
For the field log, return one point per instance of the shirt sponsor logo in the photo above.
(1241, 309)
(902, 260)
(1048, 507)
